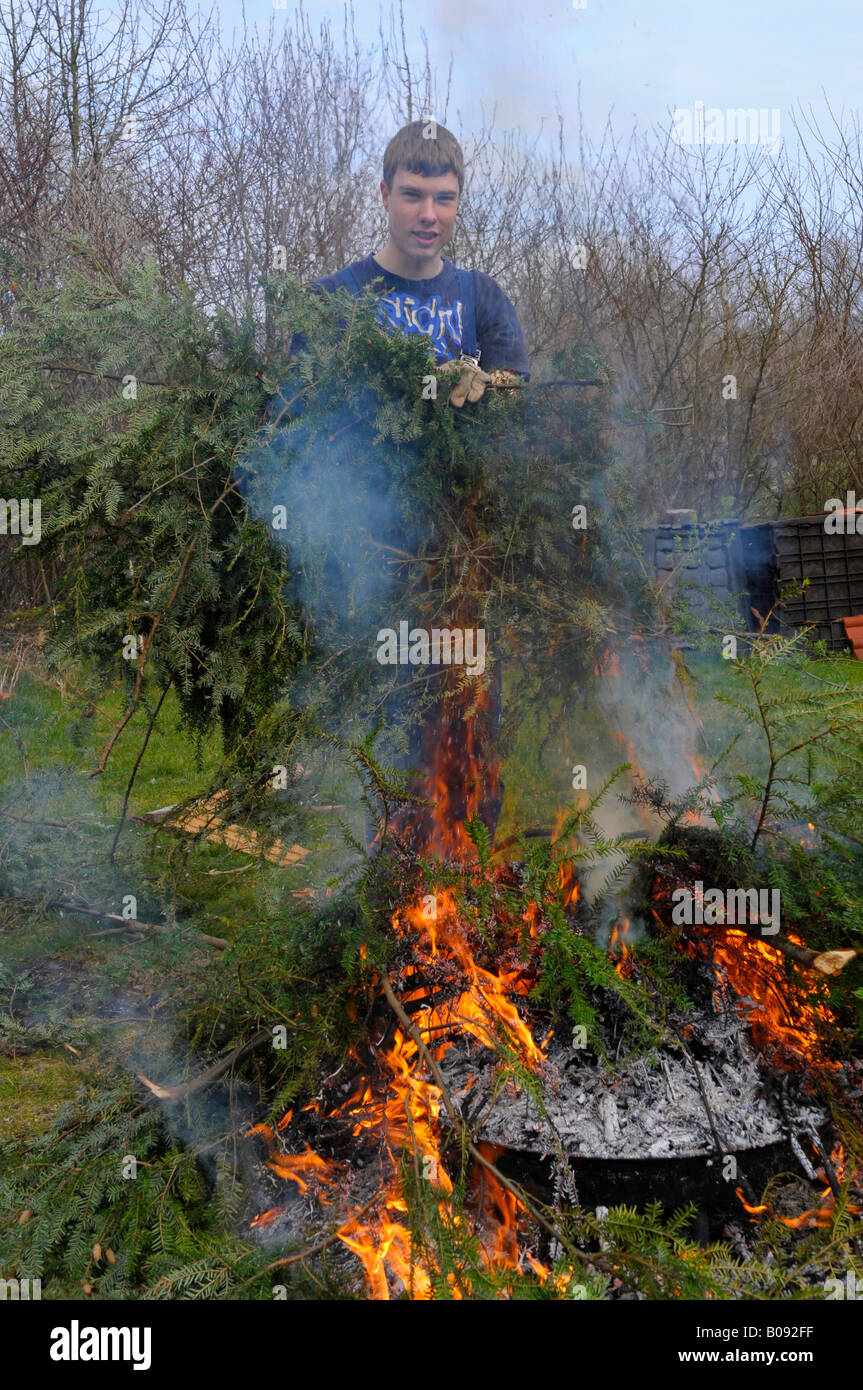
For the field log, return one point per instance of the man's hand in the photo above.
(472, 381)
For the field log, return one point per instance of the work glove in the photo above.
(471, 383)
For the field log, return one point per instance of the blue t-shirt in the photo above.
(433, 307)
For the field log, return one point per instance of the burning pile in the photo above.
(444, 993)
(458, 1037)
(788, 1016)
(791, 1021)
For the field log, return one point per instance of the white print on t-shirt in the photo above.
(439, 321)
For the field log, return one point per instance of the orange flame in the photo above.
(293, 1166)
(567, 882)
(399, 1109)
(266, 1218)
(619, 933)
(787, 1023)
(819, 1216)
(384, 1248)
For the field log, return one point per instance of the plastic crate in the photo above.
(833, 565)
(705, 558)
(759, 560)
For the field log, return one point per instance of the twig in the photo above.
(80, 370)
(360, 420)
(134, 773)
(133, 925)
(535, 385)
(106, 751)
(200, 1083)
(26, 820)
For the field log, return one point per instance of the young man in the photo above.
(474, 332)
(465, 314)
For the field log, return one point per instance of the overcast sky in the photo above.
(640, 57)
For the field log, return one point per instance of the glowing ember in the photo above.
(266, 1218)
(297, 1167)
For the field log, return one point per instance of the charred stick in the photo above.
(830, 962)
(484, 1109)
(801, 1156)
(792, 1125)
(432, 1000)
(829, 1170)
(533, 833)
(827, 962)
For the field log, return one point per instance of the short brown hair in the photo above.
(424, 147)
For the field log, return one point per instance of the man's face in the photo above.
(422, 213)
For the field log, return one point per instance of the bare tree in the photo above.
(722, 285)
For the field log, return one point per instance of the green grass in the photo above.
(111, 996)
(710, 678)
(32, 1090)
